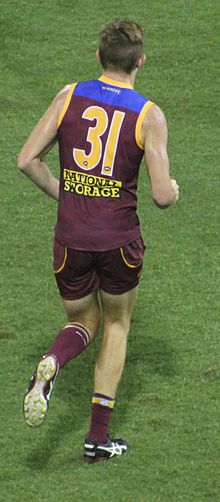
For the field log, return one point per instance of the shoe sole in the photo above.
(35, 403)
(89, 460)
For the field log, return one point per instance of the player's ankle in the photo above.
(102, 407)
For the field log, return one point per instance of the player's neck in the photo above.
(120, 77)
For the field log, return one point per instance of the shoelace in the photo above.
(115, 449)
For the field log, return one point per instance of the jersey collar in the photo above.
(116, 83)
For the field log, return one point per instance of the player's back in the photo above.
(100, 147)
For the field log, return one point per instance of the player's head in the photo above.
(121, 47)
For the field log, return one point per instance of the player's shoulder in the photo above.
(152, 120)
(154, 115)
(63, 93)
(62, 100)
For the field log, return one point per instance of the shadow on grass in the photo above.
(156, 354)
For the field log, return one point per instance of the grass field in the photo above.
(168, 404)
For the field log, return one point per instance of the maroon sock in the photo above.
(102, 407)
(69, 343)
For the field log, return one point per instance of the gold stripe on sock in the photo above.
(109, 403)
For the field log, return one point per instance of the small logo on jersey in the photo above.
(112, 89)
(107, 169)
(85, 163)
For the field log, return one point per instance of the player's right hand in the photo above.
(175, 187)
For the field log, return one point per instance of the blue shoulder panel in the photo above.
(111, 95)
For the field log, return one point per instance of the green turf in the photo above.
(168, 402)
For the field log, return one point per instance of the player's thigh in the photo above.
(118, 308)
(85, 311)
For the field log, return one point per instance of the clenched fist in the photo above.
(175, 186)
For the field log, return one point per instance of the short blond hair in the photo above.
(121, 45)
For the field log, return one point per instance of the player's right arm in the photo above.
(41, 140)
(165, 190)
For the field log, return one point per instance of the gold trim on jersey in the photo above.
(126, 262)
(64, 262)
(66, 104)
(140, 122)
(109, 81)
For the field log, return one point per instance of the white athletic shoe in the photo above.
(36, 399)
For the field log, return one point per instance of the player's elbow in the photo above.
(23, 162)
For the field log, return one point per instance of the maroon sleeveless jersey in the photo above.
(100, 154)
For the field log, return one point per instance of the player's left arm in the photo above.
(39, 143)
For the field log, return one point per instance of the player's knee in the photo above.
(121, 325)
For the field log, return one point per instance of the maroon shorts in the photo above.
(78, 273)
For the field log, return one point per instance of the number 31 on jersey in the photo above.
(90, 161)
